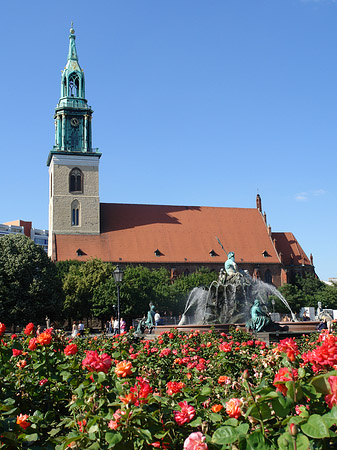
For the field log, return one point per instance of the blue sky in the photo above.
(196, 103)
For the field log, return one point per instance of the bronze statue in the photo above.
(259, 319)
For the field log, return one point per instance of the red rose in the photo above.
(44, 338)
(29, 329)
(70, 349)
(32, 344)
(173, 387)
(186, 414)
(2, 328)
(96, 363)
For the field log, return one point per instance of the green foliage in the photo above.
(307, 291)
(80, 284)
(70, 403)
(29, 286)
(90, 289)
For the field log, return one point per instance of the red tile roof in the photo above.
(181, 234)
(292, 252)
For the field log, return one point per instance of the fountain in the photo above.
(229, 299)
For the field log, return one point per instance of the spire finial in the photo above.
(72, 31)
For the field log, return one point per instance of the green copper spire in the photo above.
(73, 115)
(72, 55)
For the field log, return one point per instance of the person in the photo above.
(122, 325)
(326, 323)
(305, 318)
(81, 328)
(157, 318)
(38, 330)
(116, 326)
(285, 318)
(322, 325)
(74, 330)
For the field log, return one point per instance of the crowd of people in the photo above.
(111, 326)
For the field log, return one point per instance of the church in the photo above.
(180, 238)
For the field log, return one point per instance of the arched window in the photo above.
(268, 278)
(73, 86)
(75, 213)
(76, 180)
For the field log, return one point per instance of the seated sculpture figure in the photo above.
(259, 319)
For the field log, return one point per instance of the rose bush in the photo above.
(181, 390)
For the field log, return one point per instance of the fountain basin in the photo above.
(295, 329)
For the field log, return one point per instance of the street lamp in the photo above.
(118, 277)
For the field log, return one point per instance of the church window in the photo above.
(268, 278)
(75, 214)
(74, 85)
(76, 181)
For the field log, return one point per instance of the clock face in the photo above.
(74, 122)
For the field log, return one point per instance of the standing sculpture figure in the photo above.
(259, 319)
(230, 265)
(150, 317)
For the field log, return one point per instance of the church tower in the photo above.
(73, 163)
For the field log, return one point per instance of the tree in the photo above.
(307, 291)
(80, 283)
(30, 289)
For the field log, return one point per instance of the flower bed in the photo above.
(194, 390)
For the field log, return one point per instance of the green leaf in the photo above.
(65, 375)
(302, 442)
(31, 437)
(215, 417)
(101, 377)
(232, 422)
(196, 422)
(255, 441)
(301, 372)
(145, 434)
(321, 383)
(316, 427)
(243, 428)
(285, 442)
(113, 438)
(330, 418)
(256, 410)
(225, 435)
(282, 405)
(206, 391)
(93, 429)
(95, 446)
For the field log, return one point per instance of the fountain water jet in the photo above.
(228, 300)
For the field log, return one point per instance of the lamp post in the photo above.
(118, 277)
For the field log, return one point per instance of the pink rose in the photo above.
(195, 441)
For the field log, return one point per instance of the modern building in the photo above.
(181, 238)
(40, 237)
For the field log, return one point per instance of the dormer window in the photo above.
(76, 181)
(158, 253)
(213, 253)
(265, 254)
